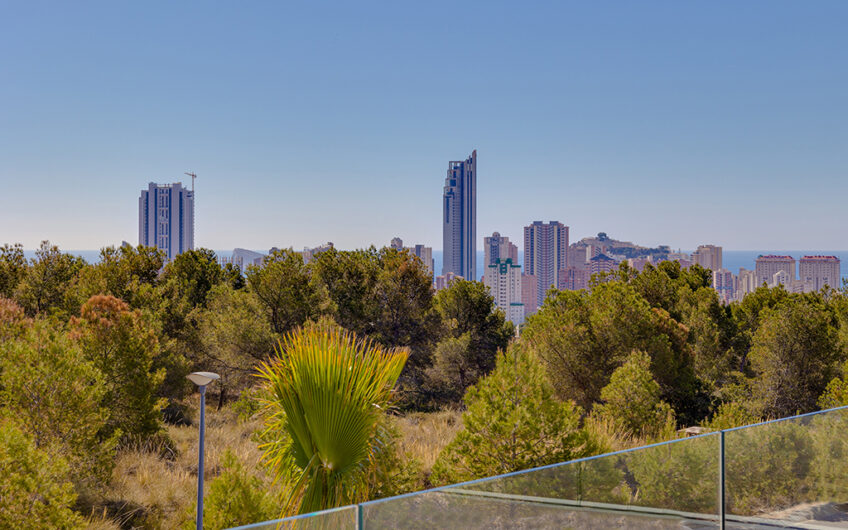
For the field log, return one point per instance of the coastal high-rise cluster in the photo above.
(550, 260)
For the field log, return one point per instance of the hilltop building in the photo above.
(459, 229)
(820, 271)
(166, 218)
(545, 254)
(310, 253)
(503, 277)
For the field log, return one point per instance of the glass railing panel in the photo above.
(792, 471)
(343, 518)
(680, 477)
(657, 486)
(455, 508)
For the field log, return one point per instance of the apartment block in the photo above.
(602, 263)
(767, 266)
(573, 279)
(708, 257)
(166, 218)
(503, 277)
(545, 254)
(443, 280)
(529, 290)
(498, 247)
(820, 271)
(724, 282)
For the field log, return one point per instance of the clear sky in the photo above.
(672, 122)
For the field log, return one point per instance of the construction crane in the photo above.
(193, 176)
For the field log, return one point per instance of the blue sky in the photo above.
(675, 123)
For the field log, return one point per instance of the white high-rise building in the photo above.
(768, 266)
(781, 277)
(498, 247)
(820, 271)
(503, 277)
(746, 282)
(166, 218)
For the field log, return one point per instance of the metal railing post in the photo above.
(721, 492)
(360, 520)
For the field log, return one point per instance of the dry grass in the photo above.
(156, 486)
(423, 436)
(617, 439)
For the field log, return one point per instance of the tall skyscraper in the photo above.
(545, 254)
(767, 266)
(820, 271)
(503, 277)
(460, 219)
(166, 218)
(708, 257)
(498, 247)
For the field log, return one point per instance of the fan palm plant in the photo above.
(327, 391)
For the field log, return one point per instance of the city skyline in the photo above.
(665, 123)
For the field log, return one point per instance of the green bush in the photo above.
(57, 394)
(234, 498)
(34, 488)
(632, 401)
(513, 422)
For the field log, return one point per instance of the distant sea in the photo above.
(731, 259)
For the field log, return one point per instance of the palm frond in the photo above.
(327, 392)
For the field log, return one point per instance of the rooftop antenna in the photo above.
(193, 176)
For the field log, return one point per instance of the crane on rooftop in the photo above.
(193, 176)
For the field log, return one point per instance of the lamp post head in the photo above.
(202, 378)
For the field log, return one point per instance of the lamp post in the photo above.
(201, 379)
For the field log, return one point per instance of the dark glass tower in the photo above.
(460, 219)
